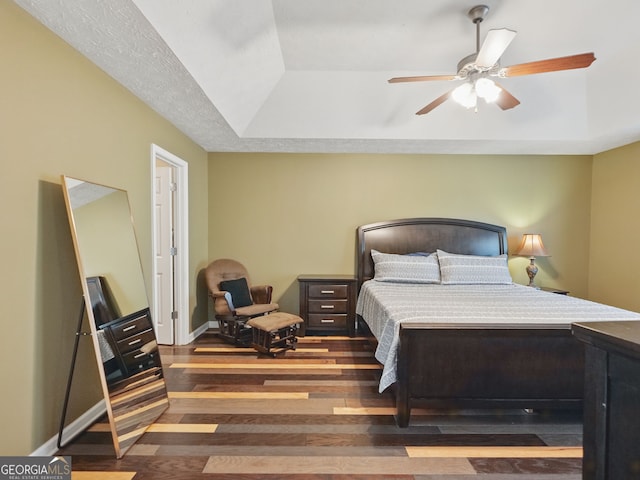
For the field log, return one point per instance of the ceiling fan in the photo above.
(478, 68)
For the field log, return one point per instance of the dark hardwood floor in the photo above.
(315, 413)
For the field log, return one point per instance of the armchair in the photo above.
(235, 300)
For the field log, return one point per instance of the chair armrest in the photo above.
(217, 293)
(222, 303)
(261, 293)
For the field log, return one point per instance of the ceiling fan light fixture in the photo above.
(487, 89)
(465, 95)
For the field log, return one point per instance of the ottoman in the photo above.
(275, 332)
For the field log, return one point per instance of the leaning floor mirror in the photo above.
(117, 307)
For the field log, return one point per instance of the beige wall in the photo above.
(62, 115)
(287, 214)
(614, 275)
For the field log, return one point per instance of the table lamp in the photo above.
(532, 247)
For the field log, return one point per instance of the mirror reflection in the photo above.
(117, 307)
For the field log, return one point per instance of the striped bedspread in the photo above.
(384, 306)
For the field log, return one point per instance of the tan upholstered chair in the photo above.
(235, 300)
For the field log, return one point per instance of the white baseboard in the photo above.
(203, 328)
(72, 430)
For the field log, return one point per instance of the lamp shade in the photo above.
(532, 246)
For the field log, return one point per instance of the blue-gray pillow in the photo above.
(391, 267)
(457, 269)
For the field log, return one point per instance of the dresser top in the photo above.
(622, 336)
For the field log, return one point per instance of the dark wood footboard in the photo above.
(467, 366)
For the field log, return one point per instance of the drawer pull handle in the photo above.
(135, 341)
(328, 292)
(139, 355)
(327, 306)
(126, 329)
(326, 320)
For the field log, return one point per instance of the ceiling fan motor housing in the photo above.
(468, 66)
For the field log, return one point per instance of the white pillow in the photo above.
(390, 267)
(473, 269)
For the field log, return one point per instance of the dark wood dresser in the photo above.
(611, 399)
(328, 304)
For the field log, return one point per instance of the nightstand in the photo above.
(559, 291)
(328, 304)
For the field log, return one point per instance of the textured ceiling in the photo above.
(311, 75)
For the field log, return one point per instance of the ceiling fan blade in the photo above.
(426, 78)
(494, 45)
(505, 100)
(436, 103)
(582, 60)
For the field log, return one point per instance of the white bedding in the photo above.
(385, 305)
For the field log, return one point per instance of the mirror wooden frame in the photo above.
(117, 307)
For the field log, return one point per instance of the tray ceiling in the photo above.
(311, 76)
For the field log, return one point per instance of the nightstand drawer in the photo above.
(328, 291)
(130, 327)
(137, 341)
(327, 306)
(316, 320)
(138, 360)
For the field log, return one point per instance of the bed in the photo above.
(509, 359)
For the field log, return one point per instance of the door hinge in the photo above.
(174, 315)
(173, 186)
(173, 251)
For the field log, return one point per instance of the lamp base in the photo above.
(532, 270)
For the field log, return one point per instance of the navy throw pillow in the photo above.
(239, 290)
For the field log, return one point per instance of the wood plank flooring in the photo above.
(315, 414)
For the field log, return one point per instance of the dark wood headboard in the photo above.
(426, 235)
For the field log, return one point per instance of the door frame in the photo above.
(181, 232)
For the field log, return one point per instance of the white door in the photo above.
(164, 253)
(170, 223)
